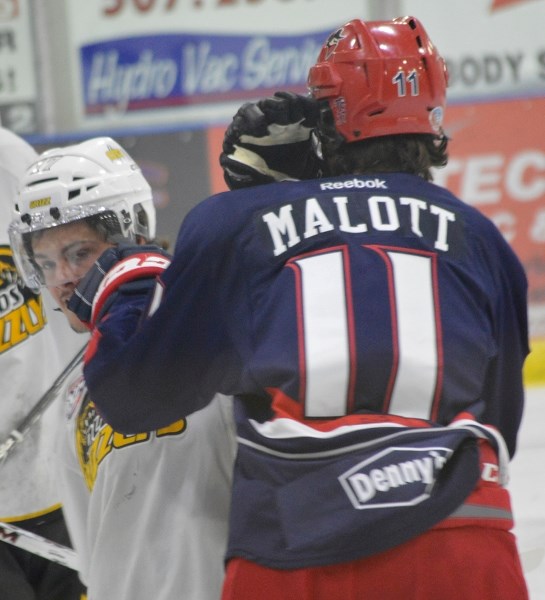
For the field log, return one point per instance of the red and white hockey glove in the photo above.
(271, 140)
(131, 269)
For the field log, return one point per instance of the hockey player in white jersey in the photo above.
(35, 345)
(148, 512)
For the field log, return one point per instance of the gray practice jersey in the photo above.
(148, 513)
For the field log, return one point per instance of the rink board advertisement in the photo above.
(493, 48)
(17, 72)
(497, 164)
(164, 71)
(184, 61)
(137, 62)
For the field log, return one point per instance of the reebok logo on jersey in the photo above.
(394, 477)
(354, 183)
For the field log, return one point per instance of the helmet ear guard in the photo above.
(326, 131)
(379, 78)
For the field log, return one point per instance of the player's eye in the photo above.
(81, 255)
(46, 265)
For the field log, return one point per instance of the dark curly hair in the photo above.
(406, 153)
(414, 153)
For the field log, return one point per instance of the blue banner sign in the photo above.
(161, 71)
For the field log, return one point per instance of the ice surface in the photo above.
(527, 487)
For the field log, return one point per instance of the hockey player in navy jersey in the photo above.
(372, 326)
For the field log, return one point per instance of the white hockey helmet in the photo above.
(96, 178)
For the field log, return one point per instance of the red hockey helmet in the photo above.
(381, 78)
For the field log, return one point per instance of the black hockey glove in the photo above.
(127, 268)
(271, 140)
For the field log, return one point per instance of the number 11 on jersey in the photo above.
(327, 345)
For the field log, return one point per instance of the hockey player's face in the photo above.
(65, 254)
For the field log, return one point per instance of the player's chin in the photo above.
(77, 325)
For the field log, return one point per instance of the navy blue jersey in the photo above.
(328, 306)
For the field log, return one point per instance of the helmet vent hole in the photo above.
(39, 181)
(141, 218)
(419, 41)
(73, 194)
(412, 24)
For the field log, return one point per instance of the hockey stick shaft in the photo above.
(31, 542)
(39, 408)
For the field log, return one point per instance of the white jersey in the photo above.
(148, 513)
(35, 345)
